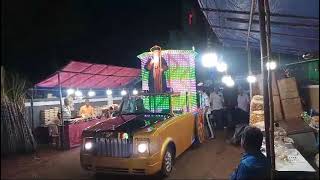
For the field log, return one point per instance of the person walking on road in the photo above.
(243, 106)
(216, 104)
(205, 104)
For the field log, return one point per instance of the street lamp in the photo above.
(209, 60)
(251, 79)
(272, 65)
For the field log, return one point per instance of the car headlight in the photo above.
(142, 146)
(88, 144)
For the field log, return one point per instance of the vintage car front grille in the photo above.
(114, 147)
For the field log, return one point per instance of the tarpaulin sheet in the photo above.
(86, 75)
(294, 24)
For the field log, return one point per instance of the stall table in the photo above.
(73, 132)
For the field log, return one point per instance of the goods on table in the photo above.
(256, 103)
(49, 116)
(98, 110)
(256, 109)
(256, 116)
(259, 125)
(292, 108)
(288, 88)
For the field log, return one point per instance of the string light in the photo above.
(109, 92)
(123, 92)
(251, 79)
(222, 67)
(78, 93)
(134, 92)
(91, 93)
(70, 91)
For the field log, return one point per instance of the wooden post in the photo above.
(264, 73)
(271, 110)
(61, 114)
(31, 104)
(249, 70)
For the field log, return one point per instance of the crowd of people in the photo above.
(224, 109)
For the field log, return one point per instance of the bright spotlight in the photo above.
(109, 92)
(228, 81)
(78, 93)
(251, 79)
(272, 65)
(134, 92)
(123, 93)
(209, 60)
(70, 91)
(222, 67)
(91, 93)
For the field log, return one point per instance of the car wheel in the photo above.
(167, 162)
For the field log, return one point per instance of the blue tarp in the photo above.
(294, 24)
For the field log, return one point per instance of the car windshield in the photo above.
(144, 105)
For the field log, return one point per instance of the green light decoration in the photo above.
(180, 77)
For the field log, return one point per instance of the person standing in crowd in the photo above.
(253, 164)
(71, 98)
(243, 106)
(66, 111)
(205, 105)
(216, 104)
(87, 110)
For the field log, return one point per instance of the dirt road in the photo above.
(213, 160)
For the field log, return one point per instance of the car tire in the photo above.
(167, 162)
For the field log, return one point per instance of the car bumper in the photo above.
(134, 165)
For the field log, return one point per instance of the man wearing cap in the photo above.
(156, 66)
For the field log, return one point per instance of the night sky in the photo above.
(39, 36)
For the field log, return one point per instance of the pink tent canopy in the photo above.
(86, 75)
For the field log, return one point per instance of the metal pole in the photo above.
(263, 49)
(249, 70)
(32, 117)
(271, 130)
(61, 114)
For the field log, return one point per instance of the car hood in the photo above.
(123, 123)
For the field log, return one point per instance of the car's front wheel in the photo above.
(167, 162)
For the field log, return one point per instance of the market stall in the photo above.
(76, 111)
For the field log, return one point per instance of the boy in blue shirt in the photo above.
(253, 164)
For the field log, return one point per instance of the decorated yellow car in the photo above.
(151, 129)
(141, 141)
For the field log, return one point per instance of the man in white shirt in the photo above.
(204, 104)
(216, 104)
(243, 106)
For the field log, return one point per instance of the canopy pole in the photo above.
(61, 114)
(249, 70)
(270, 73)
(264, 73)
(31, 104)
